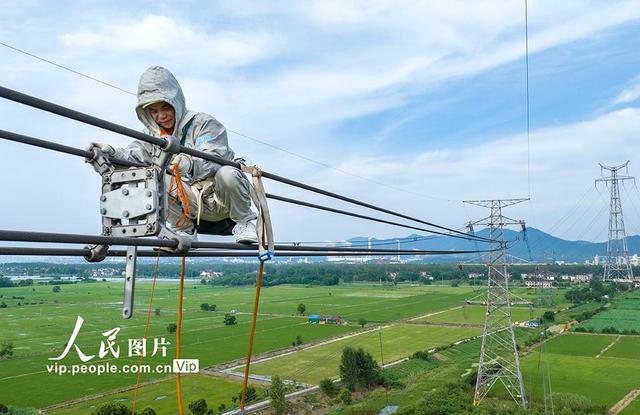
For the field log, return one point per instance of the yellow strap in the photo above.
(265, 231)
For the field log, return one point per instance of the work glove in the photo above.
(244, 160)
(100, 154)
(184, 164)
(105, 148)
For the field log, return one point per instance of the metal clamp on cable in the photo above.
(162, 155)
(97, 253)
(183, 241)
(100, 161)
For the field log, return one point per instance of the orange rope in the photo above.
(177, 186)
(251, 335)
(178, 332)
(146, 331)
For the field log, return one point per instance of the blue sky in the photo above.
(427, 97)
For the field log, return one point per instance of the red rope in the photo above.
(146, 331)
(176, 185)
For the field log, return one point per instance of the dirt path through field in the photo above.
(72, 402)
(434, 313)
(624, 402)
(608, 347)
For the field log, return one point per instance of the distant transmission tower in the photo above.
(544, 290)
(616, 265)
(499, 359)
(544, 284)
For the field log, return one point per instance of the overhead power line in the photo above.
(61, 148)
(100, 123)
(86, 154)
(262, 142)
(66, 68)
(69, 252)
(356, 215)
(64, 238)
(329, 166)
(526, 31)
(377, 242)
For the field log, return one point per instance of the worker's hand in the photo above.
(99, 154)
(105, 148)
(184, 164)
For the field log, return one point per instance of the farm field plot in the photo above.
(579, 345)
(573, 367)
(559, 300)
(20, 376)
(374, 303)
(41, 332)
(398, 341)
(475, 314)
(623, 316)
(161, 396)
(42, 324)
(576, 311)
(628, 347)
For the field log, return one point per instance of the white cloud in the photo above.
(384, 54)
(629, 94)
(564, 163)
(327, 61)
(331, 61)
(165, 37)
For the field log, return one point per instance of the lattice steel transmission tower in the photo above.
(616, 265)
(544, 290)
(544, 283)
(499, 359)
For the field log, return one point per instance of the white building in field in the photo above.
(209, 275)
(634, 260)
(582, 278)
(544, 280)
(535, 284)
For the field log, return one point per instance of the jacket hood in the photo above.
(158, 84)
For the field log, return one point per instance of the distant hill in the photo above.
(543, 245)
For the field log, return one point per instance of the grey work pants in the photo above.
(230, 199)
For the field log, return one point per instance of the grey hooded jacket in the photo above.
(195, 129)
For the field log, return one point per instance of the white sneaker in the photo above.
(245, 233)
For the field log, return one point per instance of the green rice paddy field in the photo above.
(162, 396)
(398, 341)
(574, 368)
(628, 347)
(622, 316)
(42, 324)
(474, 314)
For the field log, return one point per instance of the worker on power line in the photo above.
(219, 194)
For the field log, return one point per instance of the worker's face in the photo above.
(164, 115)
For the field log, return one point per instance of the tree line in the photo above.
(280, 273)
